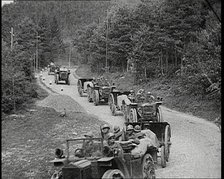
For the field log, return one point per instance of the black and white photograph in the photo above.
(111, 89)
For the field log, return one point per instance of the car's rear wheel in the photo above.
(148, 167)
(113, 174)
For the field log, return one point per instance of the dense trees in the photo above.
(178, 39)
(171, 38)
(39, 28)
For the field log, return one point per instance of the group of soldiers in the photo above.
(141, 96)
(111, 139)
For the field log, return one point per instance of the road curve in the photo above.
(196, 143)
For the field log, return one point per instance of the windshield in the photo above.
(84, 148)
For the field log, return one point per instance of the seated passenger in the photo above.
(112, 148)
(130, 134)
(137, 132)
(118, 133)
(131, 96)
(149, 97)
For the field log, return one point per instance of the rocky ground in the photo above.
(29, 140)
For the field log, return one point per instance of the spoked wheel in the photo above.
(163, 158)
(88, 95)
(148, 167)
(113, 174)
(167, 142)
(96, 97)
(133, 116)
(159, 115)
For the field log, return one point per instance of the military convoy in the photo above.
(137, 110)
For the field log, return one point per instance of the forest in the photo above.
(174, 39)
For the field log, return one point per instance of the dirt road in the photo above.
(196, 143)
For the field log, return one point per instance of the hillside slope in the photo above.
(168, 89)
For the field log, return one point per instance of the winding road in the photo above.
(196, 143)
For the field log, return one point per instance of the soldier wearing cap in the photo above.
(88, 144)
(130, 134)
(112, 148)
(149, 97)
(105, 129)
(131, 96)
(137, 132)
(118, 133)
(140, 96)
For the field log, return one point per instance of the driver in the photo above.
(112, 148)
(105, 129)
(149, 97)
(88, 144)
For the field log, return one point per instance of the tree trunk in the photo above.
(166, 62)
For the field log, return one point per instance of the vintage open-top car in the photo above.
(62, 74)
(133, 109)
(51, 69)
(78, 163)
(99, 91)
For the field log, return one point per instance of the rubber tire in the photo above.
(134, 114)
(152, 173)
(96, 97)
(167, 136)
(109, 174)
(163, 158)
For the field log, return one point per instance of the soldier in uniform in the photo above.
(88, 144)
(105, 129)
(149, 97)
(112, 148)
(131, 96)
(130, 134)
(137, 132)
